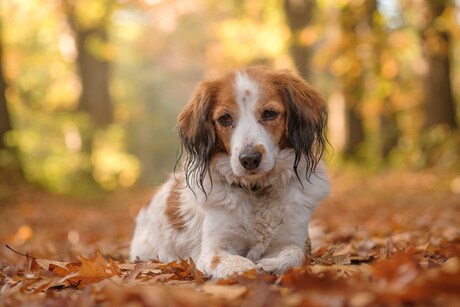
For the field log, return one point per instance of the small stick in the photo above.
(14, 251)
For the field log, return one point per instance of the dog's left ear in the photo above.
(306, 119)
(196, 133)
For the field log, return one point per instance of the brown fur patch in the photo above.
(224, 104)
(193, 119)
(306, 98)
(308, 104)
(215, 261)
(277, 126)
(173, 206)
(260, 149)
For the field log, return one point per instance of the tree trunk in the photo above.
(94, 73)
(438, 104)
(389, 131)
(95, 78)
(14, 169)
(93, 67)
(352, 82)
(299, 15)
(5, 122)
(354, 129)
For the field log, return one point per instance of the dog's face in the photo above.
(249, 119)
(249, 116)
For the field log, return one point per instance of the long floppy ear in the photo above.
(306, 120)
(197, 135)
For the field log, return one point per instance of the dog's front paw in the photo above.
(285, 259)
(222, 266)
(271, 265)
(233, 264)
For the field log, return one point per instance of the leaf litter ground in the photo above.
(392, 239)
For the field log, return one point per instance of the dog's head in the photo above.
(250, 115)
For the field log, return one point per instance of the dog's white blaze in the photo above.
(248, 130)
(247, 92)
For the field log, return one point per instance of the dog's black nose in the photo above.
(250, 160)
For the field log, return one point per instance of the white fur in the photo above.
(234, 229)
(249, 132)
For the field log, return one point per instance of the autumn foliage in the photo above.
(386, 240)
(89, 95)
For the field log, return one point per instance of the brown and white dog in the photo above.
(252, 176)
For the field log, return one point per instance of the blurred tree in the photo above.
(438, 104)
(389, 131)
(5, 118)
(5, 122)
(299, 15)
(89, 20)
(352, 77)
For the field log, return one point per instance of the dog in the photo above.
(252, 175)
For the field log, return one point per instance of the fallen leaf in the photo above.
(45, 264)
(145, 267)
(93, 270)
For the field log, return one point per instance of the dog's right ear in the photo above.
(196, 132)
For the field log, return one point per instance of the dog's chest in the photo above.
(260, 219)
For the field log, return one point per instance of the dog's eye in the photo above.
(269, 115)
(225, 120)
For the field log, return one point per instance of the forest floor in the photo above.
(387, 239)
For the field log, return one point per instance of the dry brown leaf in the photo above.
(145, 268)
(93, 270)
(45, 264)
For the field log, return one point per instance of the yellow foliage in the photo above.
(112, 166)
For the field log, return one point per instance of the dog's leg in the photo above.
(287, 257)
(222, 264)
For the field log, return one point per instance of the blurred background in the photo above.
(90, 89)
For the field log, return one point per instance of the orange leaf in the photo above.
(93, 270)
